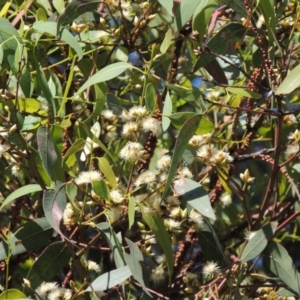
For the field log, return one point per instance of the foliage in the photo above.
(149, 149)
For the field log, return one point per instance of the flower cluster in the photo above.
(208, 153)
(51, 291)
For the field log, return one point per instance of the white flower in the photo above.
(220, 157)
(93, 266)
(158, 274)
(153, 125)
(226, 199)
(185, 173)
(3, 149)
(137, 112)
(45, 288)
(164, 162)
(199, 140)
(146, 177)
(87, 177)
(173, 201)
(68, 216)
(197, 219)
(206, 152)
(116, 196)
(132, 151)
(150, 239)
(210, 269)
(108, 114)
(130, 129)
(292, 150)
(15, 170)
(172, 225)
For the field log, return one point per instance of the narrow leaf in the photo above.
(110, 279)
(105, 74)
(133, 261)
(52, 27)
(187, 131)
(32, 235)
(195, 195)
(184, 12)
(167, 110)
(108, 172)
(131, 211)
(49, 263)
(113, 242)
(150, 97)
(46, 149)
(281, 264)
(75, 9)
(24, 190)
(202, 16)
(166, 42)
(258, 242)
(290, 82)
(157, 226)
(77, 146)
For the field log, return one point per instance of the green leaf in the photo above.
(209, 247)
(108, 172)
(131, 211)
(195, 195)
(167, 110)
(9, 39)
(46, 149)
(59, 5)
(290, 82)
(205, 126)
(168, 5)
(113, 242)
(24, 190)
(202, 16)
(100, 188)
(54, 204)
(43, 85)
(52, 28)
(13, 294)
(281, 264)
(49, 263)
(184, 12)
(133, 261)
(178, 119)
(187, 131)
(109, 279)
(238, 6)
(166, 41)
(158, 228)
(192, 94)
(224, 41)
(114, 104)
(150, 97)
(243, 92)
(105, 74)
(258, 242)
(74, 10)
(77, 146)
(121, 54)
(268, 10)
(32, 235)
